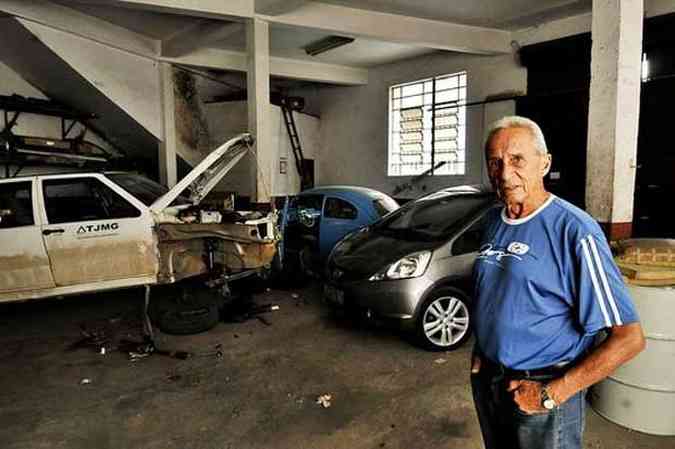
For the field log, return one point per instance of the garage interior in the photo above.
(154, 86)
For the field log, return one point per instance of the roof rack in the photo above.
(19, 151)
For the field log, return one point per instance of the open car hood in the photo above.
(208, 173)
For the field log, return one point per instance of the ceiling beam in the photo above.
(276, 7)
(317, 71)
(342, 20)
(212, 58)
(74, 22)
(387, 27)
(218, 9)
(201, 34)
(581, 23)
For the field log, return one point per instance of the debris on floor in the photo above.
(102, 336)
(324, 400)
(85, 381)
(263, 320)
(241, 311)
(173, 377)
(138, 351)
(94, 339)
(440, 361)
(217, 352)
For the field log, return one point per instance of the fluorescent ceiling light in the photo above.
(327, 43)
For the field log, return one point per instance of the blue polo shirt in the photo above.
(545, 285)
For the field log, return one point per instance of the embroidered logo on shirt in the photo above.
(486, 252)
(518, 248)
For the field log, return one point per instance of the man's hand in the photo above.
(624, 343)
(527, 395)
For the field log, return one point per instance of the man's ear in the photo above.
(546, 167)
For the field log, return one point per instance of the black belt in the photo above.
(547, 372)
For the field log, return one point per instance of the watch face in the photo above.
(549, 404)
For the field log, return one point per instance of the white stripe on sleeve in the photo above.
(596, 286)
(603, 278)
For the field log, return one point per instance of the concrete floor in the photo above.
(260, 394)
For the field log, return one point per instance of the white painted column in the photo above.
(168, 172)
(259, 109)
(614, 109)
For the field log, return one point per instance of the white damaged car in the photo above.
(83, 232)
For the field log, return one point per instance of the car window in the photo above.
(146, 190)
(16, 204)
(384, 205)
(469, 241)
(80, 199)
(434, 217)
(309, 202)
(337, 208)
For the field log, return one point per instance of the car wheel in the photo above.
(443, 321)
(191, 312)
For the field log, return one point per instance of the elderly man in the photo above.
(546, 285)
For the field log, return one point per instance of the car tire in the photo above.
(443, 321)
(191, 312)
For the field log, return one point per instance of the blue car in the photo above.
(318, 218)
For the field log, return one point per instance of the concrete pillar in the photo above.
(613, 113)
(259, 109)
(168, 173)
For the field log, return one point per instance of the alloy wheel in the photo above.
(446, 321)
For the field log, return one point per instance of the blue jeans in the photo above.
(505, 426)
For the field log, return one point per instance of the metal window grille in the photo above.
(427, 125)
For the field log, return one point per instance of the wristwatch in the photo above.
(546, 400)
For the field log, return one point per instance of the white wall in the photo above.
(354, 120)
(130, 81)
(309, 132)
(225, 120)
(34, 124)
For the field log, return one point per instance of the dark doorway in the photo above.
(655, 178)
(563, 119)
(308, 170)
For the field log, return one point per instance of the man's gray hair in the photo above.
(515, 121)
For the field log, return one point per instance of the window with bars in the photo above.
(427, 126)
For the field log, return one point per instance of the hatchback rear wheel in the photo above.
(444, 321)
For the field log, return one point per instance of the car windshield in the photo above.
(144, 189)
(434, 217)
(384, 205)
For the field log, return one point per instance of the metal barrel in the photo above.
(640, 395)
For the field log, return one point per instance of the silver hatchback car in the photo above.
(415, 265)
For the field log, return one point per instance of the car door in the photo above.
(340, 217)
(465, 246)
(95, 231)
(24, 264)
